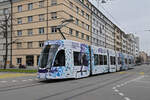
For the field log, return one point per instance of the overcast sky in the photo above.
(133, 16)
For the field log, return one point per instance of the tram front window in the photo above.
(47, 55)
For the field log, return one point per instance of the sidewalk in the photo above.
(4, 75)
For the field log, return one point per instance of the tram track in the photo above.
(111, 78)
(104, 83)
(37, 83)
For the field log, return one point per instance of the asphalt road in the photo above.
(133, 84)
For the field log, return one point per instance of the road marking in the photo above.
(122, 85)
(126, 98)
(36, 79)
(24, 80)
(3, 81)
(122, 72)
(30, 79)
(116, 90)
(121, 94)
(142, 73)
(14, 80)
(118, 85)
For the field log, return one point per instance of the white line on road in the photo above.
(36, 79)
(118, 86)
(126, 98)
(116, 90)
(3, 81)
(24, 80)
(14, 80)
(30, 79)
(121, 94)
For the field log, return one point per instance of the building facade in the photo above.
(118, 39)
(143, 57)
(102, 30)
(36, 21)
(5, 10)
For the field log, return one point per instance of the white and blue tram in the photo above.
(62, 59)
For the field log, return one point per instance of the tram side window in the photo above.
(60, 58)
(129, 61)
(101, 59)
(118, 60)
(113, 61)
(105, 60)
(95, 59)
(125, 61)
(77, 59)
(84, 60)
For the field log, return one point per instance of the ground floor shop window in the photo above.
(19, 60)
(30, 60)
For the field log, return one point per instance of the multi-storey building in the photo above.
(102, 30)
(124, 43)
(137, 46)
(5, 10)
(118, 39)
(35, 21)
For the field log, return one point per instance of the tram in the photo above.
(63, 59)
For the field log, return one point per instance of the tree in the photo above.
(5, 23)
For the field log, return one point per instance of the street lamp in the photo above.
(64, 23)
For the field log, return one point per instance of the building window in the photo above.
(87, 37)
(54, 15)
(41, 17)
(30, 6)
(71, 17)
(38, 57)
(87, 27)
(41, 44)
(30, 31)
(70, 31)
(30, 18)
(19, 20)
(19, 60)
(41, 30)
(19, 33)
(29, 44)
(77, 21)
(87, 16)
(4, 46)
(54, 29)
(82, 35)
(71, 4)
(20, 8)
(82, 12)
(53, 2)
(19, 45)
(30, 60)
(77, 33)
(87, 5)
(83, 24)
(77, 9)
(5, 11)
(41, 4)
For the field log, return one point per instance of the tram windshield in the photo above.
(47, 55)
